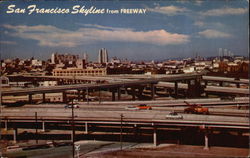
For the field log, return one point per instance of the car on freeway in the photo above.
(174, 115)
(139, 107)
(130, 107)
(144, 107)
(70, 106)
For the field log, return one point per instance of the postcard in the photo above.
(124, 78)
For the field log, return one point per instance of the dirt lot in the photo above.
(176, 151)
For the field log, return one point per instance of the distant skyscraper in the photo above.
(85, 57)
(103, 56)
(220, 52)
(63, 58)
(53, 58)
(225, 52)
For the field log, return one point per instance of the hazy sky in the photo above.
(168, 29)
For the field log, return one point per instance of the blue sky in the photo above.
(168, 29)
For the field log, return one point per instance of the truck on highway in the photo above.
(195, 109)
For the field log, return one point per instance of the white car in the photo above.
(174, 115)
(132, 108)
(70, 106)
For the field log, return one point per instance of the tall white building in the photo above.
(225, 52)
(220, 52)
(53, 58)
(103, 55)
(85, 57)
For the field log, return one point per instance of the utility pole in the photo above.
(121, 131)
(73, 130)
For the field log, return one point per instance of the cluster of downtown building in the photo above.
(73, 65)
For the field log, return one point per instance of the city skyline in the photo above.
(169, 29)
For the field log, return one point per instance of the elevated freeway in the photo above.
(214, 109)
(225, 90)
(225, 79)
(172, 83)
(90, 122)
(130, 117)
(106, 117)
(98, 86)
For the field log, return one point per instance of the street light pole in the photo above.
(73, 130)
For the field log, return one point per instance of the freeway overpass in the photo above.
(216, 89)
(54, 89)
(225, 79)
(172, 83)
(229, 90)
(115, 87)
(87, 122)
(107, 119)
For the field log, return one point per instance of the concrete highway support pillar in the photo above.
(79, 95)
(86, 128)
(133, 93)
(152, 91)
(43, 126)
(238, 85)
(30, 98)
(6, 125)
(166, 90)
(136, 132)
(176, 89)
(87, 94)
(189, 88)
(44, 98)
(206, 147)
(206, 94)
(15, 133)
(83, 95)
(99, 95)
(170, 92)
(155, 136)
(1, 99)
(113, 95)
(119, 93)
(72, 135)
(64, 97)
(206, 83)
(221, 83)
